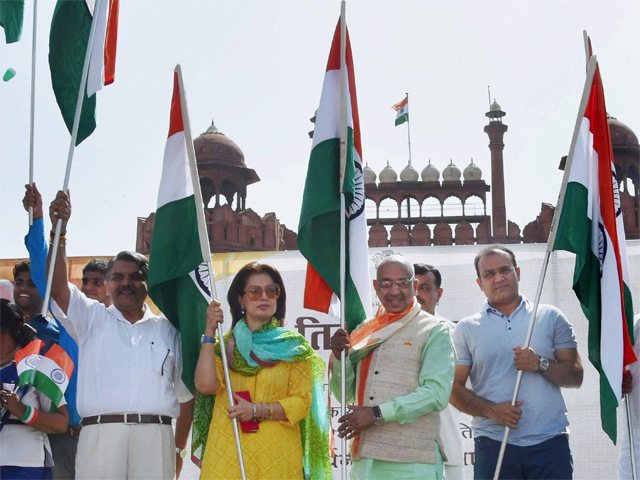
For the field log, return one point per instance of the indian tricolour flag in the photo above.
(319, 228)
(402, 111)
(68, 44)
(49, 373)
(178, 275)
(590, 225)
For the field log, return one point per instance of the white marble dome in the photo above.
(430, 173)
(388, 174)
(369, 175)
(409, 174)
(472, 172)
(451, 173)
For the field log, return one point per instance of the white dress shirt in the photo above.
(124, 367)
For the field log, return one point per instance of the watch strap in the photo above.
(206, 339)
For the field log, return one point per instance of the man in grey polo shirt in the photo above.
(490, 352)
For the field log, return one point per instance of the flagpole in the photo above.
(206, 251)
(33, 95)
(408, 131)
(550, 242)
(631, 439)
(343, 262)
(74, 135)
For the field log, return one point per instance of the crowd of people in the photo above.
(126, 412)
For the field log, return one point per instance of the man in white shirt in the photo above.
(428, 295)
(129, 386)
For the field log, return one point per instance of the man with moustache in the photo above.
(428, 295)
(399, 371)
(490, 352)
(130, 383)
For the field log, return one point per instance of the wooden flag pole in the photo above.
(206, 250)
(74, 135)
(552, 236)
(33, 96)
(343, 161)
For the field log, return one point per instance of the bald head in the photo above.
(395, 260)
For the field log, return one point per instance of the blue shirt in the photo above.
(485, 341)
(51, 331)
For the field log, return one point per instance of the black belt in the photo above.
(127, 419)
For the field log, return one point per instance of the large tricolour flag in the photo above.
(49, 373)
(591, 226)
(402, 111)
(319, 228)
(178, 276)
(68, 41)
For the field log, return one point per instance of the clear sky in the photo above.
(256, 68)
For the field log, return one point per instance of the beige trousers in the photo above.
(119, 451)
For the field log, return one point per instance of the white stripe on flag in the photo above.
(328, 118)
(95, 78)
(176, 176)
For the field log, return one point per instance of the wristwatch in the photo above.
(378, 419)
(181, 452)
(543, 364)
(205, 339)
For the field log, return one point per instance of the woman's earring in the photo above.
(242, 307)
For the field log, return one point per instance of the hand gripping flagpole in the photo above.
(72, 146)
(206, 251)
(343, 263)
(33, 97)
(552, 238)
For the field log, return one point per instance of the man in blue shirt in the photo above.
(490, 353)
(63, 445)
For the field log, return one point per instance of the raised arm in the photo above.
(466, 401)
(60, 209)
(206, 374)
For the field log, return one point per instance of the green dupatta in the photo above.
(272, 343)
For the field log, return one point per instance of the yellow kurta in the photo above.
(275, 450)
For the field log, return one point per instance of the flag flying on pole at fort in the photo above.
(178, 276)
(49, 373)
(319, 228)
(402, 111)
(591, 226)
(11, 17)
(68, 40)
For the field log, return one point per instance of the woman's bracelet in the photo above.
(268, 411)
(262, 407)
(255, 413)
(30, 415)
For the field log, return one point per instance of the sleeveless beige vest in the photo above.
(394, 371)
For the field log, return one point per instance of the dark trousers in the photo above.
(550, 460)
(63, 451)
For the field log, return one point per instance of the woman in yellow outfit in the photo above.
(284, 380)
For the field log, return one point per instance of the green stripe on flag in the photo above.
(11, 18)
(70, 28)
(175, 252)
(43, 383)
(319, 229)
(400, 120)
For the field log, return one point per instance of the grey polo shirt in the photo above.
(485, 340)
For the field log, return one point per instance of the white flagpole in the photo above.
(206, 251)
(632, 450)
(74, 135)
(343, 161)
(552, 237)
(408, 131)
(33, 96)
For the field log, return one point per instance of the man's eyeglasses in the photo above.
(96, 282)
(401, 283)
(490, 274)
(254, 292)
